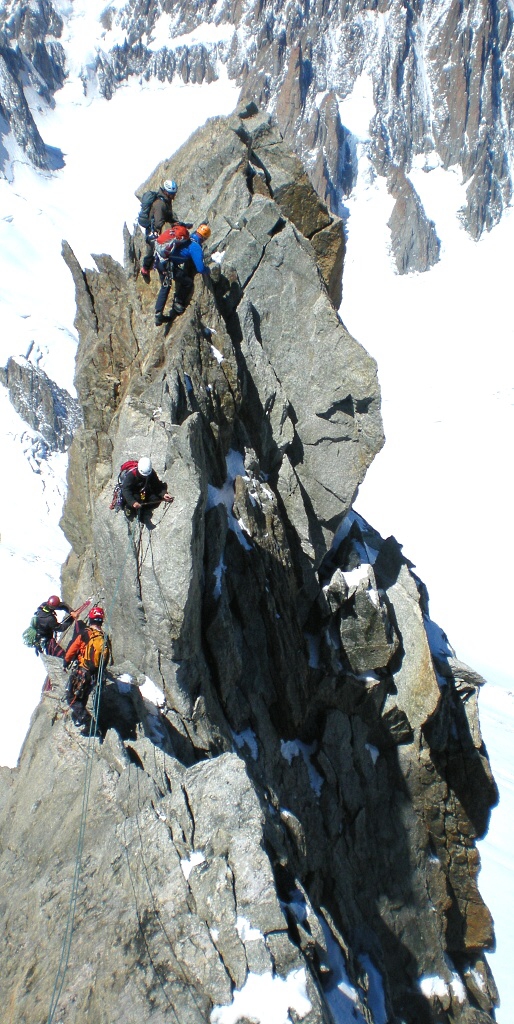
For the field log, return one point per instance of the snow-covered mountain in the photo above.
(440, 75)
(403, 118)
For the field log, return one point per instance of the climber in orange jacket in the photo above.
(89, 648)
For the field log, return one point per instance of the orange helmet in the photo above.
(204, 231)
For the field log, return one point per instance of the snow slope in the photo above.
(443, 342)
(442, 484)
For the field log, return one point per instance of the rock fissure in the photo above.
(331, 438)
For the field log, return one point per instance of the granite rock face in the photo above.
(414, 242)
(302, 806)
(31, 54)
(41, 403)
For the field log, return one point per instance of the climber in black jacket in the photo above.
(47, 624)
(161, 213)
(141, 488)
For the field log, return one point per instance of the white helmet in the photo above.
(169, 186)
(144, 466)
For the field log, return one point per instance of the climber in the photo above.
(159, 214)
(141, 488)
(47, 624)
(181, 265)
(89, 649)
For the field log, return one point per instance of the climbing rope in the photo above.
(161, 591)
(68, 935)
(142, 555)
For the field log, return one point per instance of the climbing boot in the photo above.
(161, 318)
(178, 307)
(79, 715)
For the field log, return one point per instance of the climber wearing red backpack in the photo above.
(141, 487)
(178, 257)
(90, 649)
(156, 211)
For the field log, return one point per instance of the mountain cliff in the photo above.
(438, 79)
(298, 814)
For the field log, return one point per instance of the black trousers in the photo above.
(79, 687)
(183, 285)
(53, 647)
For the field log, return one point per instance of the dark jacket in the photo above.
(47, 622)
(161, 213)
(143, 489)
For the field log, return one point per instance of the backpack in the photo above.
(29, 635)
(117, 497)
(147, 200)
(96, 645)
(169, 243)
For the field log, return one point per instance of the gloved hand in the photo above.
(65, 666)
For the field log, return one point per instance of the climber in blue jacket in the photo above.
(184, 260)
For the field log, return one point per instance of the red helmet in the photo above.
(96, 613)
(53, 601)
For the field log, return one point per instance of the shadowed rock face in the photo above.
(315, 777)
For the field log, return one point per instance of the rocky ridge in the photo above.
(31, 55)
(45, 407)
(304, 803)
(440, 81)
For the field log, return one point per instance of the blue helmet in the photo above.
(169, 186)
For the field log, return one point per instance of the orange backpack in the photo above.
(96, 646)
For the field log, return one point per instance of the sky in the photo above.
(442, 341)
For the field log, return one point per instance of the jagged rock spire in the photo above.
(303, 806)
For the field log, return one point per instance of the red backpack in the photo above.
(169, 242)
(126, 467)
(117, 498)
